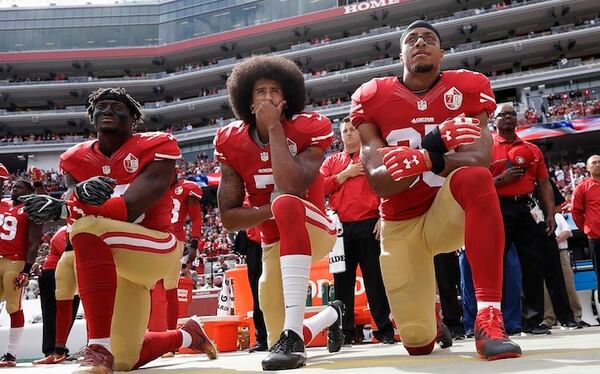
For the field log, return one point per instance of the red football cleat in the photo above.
(97, 360)
(490, 337)
(200, 341)
(54, 358)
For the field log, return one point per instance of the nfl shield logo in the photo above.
(106, 169)
(178, 190)
(422, 104)
(292, 147)
(131, 163)
(264, 156)
(453, 99)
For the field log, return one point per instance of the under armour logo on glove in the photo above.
(402, 162)
(95, 190)
(407, 162)
(451, 134)
(43, 208)
(459, 131)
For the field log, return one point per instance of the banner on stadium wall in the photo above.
(559, 128)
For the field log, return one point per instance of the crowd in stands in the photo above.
(566, 105)
(567, 176)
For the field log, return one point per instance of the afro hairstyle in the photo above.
(241, 83)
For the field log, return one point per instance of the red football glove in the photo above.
(20, 281)
(36, 174)
(459, 131)
(402, 162)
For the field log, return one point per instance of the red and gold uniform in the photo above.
(14, 228)
(139, 252)
(434, 214)
(180, 193)
(235, 147)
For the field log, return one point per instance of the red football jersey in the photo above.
(14, 227)
(84, 161)
(57, 248)
(235, 148)
(179, 194)
(403, 118)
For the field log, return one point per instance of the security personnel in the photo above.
(357, 207)
(517, 166)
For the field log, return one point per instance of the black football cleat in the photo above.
(335, 334)
(444, 336)
(287, 353)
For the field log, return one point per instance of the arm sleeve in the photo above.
(359, 111)
(321, 135)
(329, 177)
(542, 170)
(486, 96)
(167, 149)
(578, 208)
(195, 213)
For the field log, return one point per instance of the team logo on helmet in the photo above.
(106, 169)
(178, 190)
(453, 99)
(131, 163)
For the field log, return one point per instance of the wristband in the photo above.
(114, 208)
(433, 142)
(27, 268)
(438, 163)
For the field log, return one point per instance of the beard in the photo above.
(422, 68)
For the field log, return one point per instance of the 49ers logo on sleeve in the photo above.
(453, 98)
(292, 147)
(131, 163)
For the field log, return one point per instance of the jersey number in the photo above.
(175, 211)
(413, 138)
(9, 225)
(264, 181)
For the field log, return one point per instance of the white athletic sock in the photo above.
(295, 270)
(14, 337)
(321, 320)
(186, 340)
(485, 304)
(105, 342)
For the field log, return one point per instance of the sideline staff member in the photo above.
(351, 197)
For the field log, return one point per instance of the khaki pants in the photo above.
(407, 250)
(549, 316)
(9, 271)
(270, 287)
(137, 272)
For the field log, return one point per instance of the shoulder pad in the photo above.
(468, 80)
(365, 92)
(226, 132)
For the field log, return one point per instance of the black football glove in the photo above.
(95, 190)
(43, 208)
